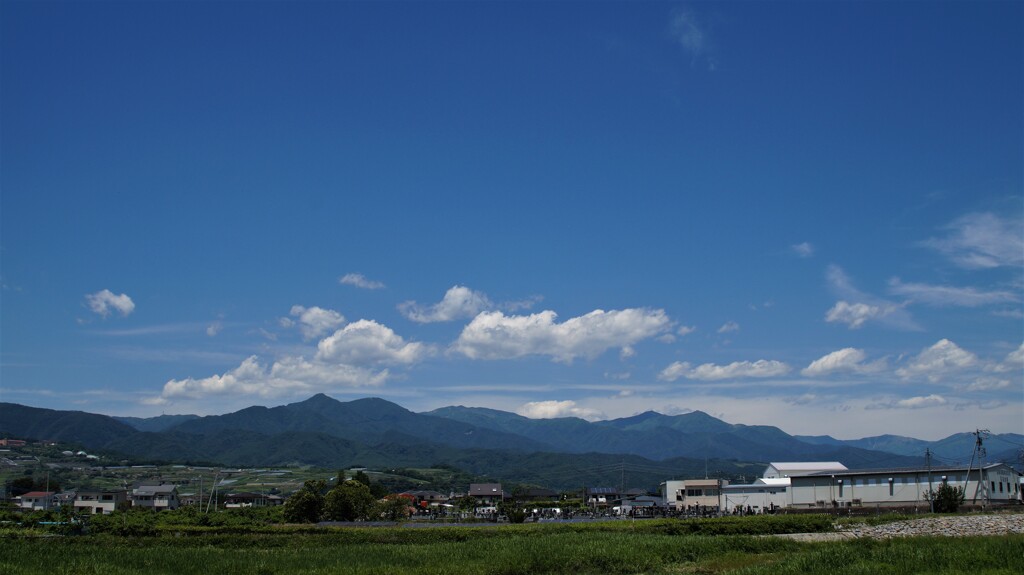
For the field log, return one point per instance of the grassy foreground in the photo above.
(528, 549)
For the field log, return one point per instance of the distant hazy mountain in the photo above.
(158, 423)
(955, 449)
(653, 435)
(556, 453)
(88, 429)
(370, 420)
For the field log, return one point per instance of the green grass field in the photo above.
(618, 547)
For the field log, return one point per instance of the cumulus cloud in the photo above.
(728, 327)
(459, 302)
(686, 329)
(987, 384)
(856, 308)
(313, 321)
(855, 315)
(982, 241)
(360, 281)
(938, 361)
(367, 342)
(105, 302)
(918, 402)
(352, 357)
(288, 376)
(493, 335)
(803, 250)
(214, 328)
(553, 409)
(1012, 363)
(949, 296)
(850, 360)
(735, 370)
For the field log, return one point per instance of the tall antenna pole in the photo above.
(979, 436)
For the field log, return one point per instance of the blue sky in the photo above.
(807, 215)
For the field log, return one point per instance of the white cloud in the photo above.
(938, 361)
(367, 342)
(314, 321)
(729, 326)
(686, 329)
(856, 308)
(918, 402)
(987, 384)
(1012, 363)
(553, 409)
(1016, 357)
(713, 372)
(949, 296)
(105, 301)
(805, 399)
(288, 376)
(850, 360)
(214, 328)
(855, 315)
(804, 250)
(360, 281)
(459, 302)
(626, 352)
(493, 335)
(982, 241)
(527, 303)
(692, 36)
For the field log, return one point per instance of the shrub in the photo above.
(947, 499)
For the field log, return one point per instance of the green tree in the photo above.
(307, 504)
(948, 499)
(349, 501)
(393, 508)
(513, 510)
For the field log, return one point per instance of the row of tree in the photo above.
(347, 500)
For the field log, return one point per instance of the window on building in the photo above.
(840, 489)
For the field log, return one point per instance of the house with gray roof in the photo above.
(156, 496)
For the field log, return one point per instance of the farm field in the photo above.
(619, 547)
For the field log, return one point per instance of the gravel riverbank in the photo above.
(942, 526)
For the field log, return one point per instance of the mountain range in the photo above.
(556, 453)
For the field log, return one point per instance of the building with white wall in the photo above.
(159, 497)
(100, 502)
(760, 496)
(781, 469)
(38, 500)
(693, 493)
(996, 483)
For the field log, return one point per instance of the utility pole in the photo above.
(979, 436)
(931, 493)
(622, 479)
